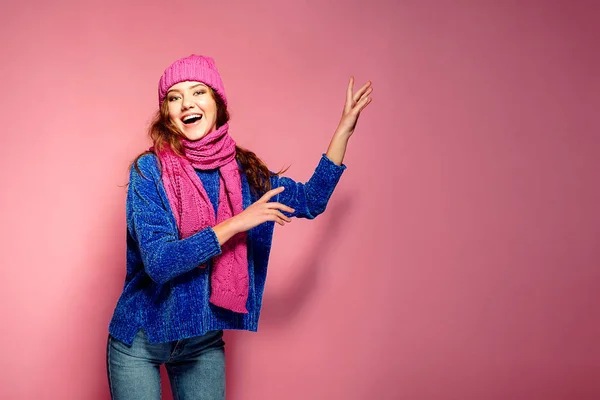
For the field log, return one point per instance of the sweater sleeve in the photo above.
(310, 199)
(152, 224)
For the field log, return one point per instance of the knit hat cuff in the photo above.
(192, 68)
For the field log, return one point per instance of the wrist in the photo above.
(341, 135)
(232, 225)
(226, 229)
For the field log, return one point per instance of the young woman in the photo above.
(200, 219)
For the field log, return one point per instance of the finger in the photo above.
(362, 98)
(280, 207)
(361, 91)
(277, 219)
(267, 196)
(282, 222)
(365, 94)
(349, 100)
(279, 214)
(361, 105)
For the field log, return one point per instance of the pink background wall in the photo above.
(458, 259)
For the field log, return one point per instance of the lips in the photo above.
(191, 118)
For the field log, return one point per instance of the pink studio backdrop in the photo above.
(458, 258)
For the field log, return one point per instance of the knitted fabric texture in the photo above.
(192, 68)
(193, 209)
(165, 293)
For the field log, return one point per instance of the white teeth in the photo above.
(192, 116)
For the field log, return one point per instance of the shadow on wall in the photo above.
(280, 309)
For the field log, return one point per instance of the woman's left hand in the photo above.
(355, 103)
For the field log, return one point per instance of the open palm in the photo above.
(355, 103)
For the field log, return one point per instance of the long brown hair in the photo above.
(164, 133)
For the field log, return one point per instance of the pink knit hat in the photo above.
(192, 68)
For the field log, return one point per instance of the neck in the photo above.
(212, 151)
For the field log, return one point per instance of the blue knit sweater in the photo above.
(165, 292)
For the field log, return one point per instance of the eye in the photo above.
(173, 98)
(199, 92)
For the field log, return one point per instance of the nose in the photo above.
(187, 103)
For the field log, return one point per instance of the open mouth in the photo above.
(190, 119)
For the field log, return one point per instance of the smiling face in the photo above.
(192, 109)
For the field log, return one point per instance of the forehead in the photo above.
(186, 85)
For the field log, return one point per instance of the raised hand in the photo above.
(355, 103)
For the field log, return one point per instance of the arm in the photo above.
(299, 199)
(164, 255)
(355, 103)
(310, 199)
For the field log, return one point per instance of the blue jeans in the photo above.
(196, 367)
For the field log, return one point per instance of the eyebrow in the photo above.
(191, 87)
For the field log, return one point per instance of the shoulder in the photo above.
(144, 174)
(145, 180)
(148, 162)
(146, 166)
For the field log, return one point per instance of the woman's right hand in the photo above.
(262, 211)
(259, 212)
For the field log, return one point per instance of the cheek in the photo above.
(209, 105)
(174, 120)
(173, 115)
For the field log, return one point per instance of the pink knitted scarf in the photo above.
(194, 211)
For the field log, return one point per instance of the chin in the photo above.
(195, 135)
